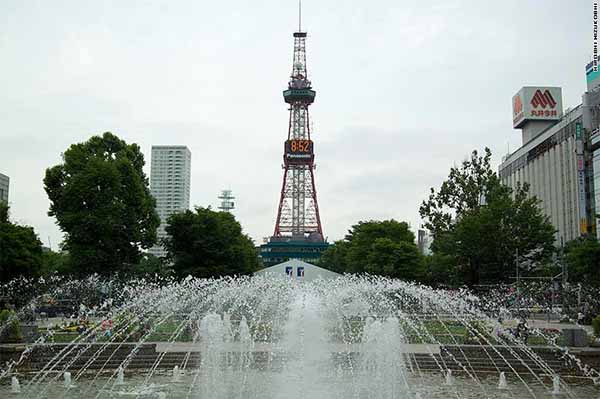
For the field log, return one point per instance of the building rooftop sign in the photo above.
(533, 103)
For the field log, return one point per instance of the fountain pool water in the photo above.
(261, 337)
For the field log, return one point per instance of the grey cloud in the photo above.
(405, 90)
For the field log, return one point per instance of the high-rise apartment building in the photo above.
(169, 184)
(423, 242)
(4, 182)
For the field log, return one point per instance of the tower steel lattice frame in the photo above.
(227, 204)
(298, 212)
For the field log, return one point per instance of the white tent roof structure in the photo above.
(299, 270)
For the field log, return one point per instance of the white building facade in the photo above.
(4, 183)
(555, 158)
(297, 270)
(170, 173)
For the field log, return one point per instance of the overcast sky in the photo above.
(405, 89)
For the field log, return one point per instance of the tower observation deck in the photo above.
(298, 231)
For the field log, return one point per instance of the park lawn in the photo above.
(435, 331)
(62, 337)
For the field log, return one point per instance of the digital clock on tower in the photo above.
(299, 151)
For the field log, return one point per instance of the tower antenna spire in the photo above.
(299, 15)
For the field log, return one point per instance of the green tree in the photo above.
(363, 235)
(151, 265)
(20, 248)
(376, 247)
(55, 263)
(399, 259)
(99, 195)
(206, 244)
(334, 257)
(439, 270)
(582, 256)
(462, 192)
(482, 224)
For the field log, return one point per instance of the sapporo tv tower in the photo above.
(298, 232)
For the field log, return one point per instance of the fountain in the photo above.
(265, 337)
(449, 380)
(120, 376)
(15, 386)
(502, 384)
(556, 385)
(177, 374)
(67, 379)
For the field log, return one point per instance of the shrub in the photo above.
(10, 330)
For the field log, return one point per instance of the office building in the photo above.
(4, 183)
(556, 157)
(170, 171)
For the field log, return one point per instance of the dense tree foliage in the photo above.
(334, 257)
(463, 192)
(206, 243)
(481, 225)
(20, 248)
(152, 265)
(377, 247)
(582, 257)
(100, 198)
(441, 270)
(394, 259)
(59, 263)
(55, 263)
